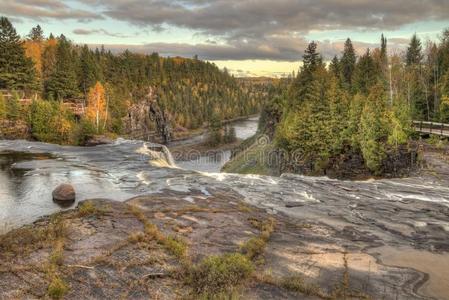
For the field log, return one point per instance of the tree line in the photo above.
(190, 91)
(360, 104)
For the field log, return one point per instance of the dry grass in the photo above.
(256, 245)
(57, 288)
(294, 283)
(28, 238)
(174, 245)
(88, 208)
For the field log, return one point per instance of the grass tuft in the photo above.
(88, 208)
(220, 275)
(255, 246)
(296, 283)
(175, 246)
(57, 288)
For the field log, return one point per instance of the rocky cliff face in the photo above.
(351, 165)
(147, 121)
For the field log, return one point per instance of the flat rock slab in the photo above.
(105, 256)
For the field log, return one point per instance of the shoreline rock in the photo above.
(113, 249)
(64, 194)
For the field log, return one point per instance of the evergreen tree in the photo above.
(89, 70)
(36, 34)
(62, 83)
(13, 107)
(311, 58)
(383, 52)
(304, 87)
(335, 67)
(365, 75)
(414, 54)
(347, 62)
(16, 70)
(374, 129)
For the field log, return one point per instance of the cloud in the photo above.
(81, 31)
(44, 9)
(278, 50)
(251, 18)
(241, 29)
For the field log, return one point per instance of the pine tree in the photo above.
(311, 58)
(16, 70)
(366, 74)
(36, 34)
(383, 52)
(304, 88)
(348, 61)
(49, 58)
(414, 54)
(13, 107)
(374, 129)
(89, 70)
(335, 67)
(62, 83)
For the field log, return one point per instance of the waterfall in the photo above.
(168, 156)
(159, 154)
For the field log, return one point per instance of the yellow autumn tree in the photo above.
(33, 50)
(96, 110)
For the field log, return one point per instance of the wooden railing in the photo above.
(441, 129)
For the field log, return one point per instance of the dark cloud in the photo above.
(44, 9)
(283, 51)
(242, 29)
(81, 31)
(250, 18)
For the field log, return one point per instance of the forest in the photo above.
(359, 105)
(45, 81)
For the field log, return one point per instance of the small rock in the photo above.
(64, 193)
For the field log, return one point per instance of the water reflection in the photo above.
(27, 181)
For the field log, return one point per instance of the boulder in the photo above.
(64, 193)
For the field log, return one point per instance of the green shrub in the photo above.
(51, 122)
(13, 107)
(2, 106)
(220, 274)
(57, 288)
(175, 246)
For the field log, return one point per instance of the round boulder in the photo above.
(64, 193)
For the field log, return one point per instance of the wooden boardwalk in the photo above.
(440, 129)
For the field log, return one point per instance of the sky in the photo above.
(248, 37)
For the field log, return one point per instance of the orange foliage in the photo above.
(33, 50)
(96, 110)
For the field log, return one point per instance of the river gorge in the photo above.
(391, 236)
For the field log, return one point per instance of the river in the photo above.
(213, 162)
(411, 214)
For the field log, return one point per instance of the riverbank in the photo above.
(331, 239)
(259, 155)
(153, 246)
